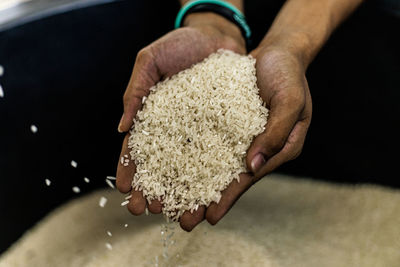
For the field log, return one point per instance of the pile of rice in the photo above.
(189, 141)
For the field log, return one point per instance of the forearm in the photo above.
(303, 26)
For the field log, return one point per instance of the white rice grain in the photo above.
(109, 233)
(125, 203)
(1, 70)
(102, 202)
(111, 178)
(34, 128)
(48, 182)
(74, 164)
(109, 246)
(110, 184)
(87, 180)
(1, 92)
(76, 189)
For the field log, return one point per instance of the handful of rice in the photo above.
(189, 141)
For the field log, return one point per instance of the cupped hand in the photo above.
(178, 50)
(283, 87)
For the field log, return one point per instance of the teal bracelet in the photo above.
(222, 8)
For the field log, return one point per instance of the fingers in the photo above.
(230, 195)
(290, 150)
(137, 203)
(294, 143)
(284, 113)
(155, 207)
(188, 220)
(145, 74)
(125, 173)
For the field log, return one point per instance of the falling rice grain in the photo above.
(109, 233)
(74, 163)
(1, 92)
(76, 189)
(102, 202)
(124, 203)
(86, 180)
(34, 128)
(126, 225)
(1, 70)
(111, 178)
(110, 184)
(108, 246)
(48, 182)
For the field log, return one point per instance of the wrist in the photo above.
(298, 44)
(217, 22)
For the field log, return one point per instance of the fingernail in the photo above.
(120, 124)
(257, 162)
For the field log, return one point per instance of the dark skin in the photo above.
(282, 60)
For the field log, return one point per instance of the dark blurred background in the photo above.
(67, 65)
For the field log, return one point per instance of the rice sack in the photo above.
(190, 139)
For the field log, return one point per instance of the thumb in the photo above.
(282, 118)
(145, 74)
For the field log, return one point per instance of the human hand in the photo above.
(178, 50)
(283, 56)
(283, 87)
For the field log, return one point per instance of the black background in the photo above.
(67, 74)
